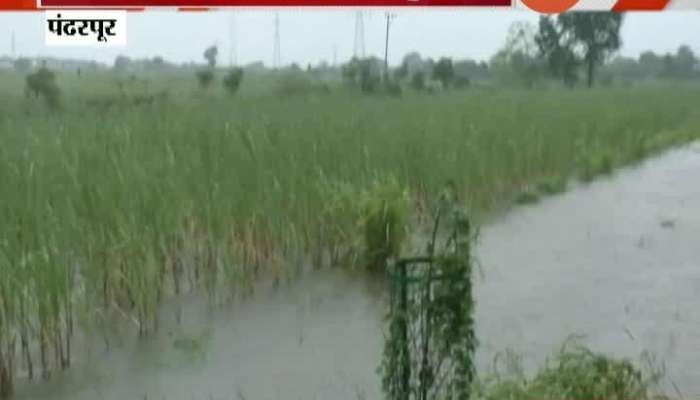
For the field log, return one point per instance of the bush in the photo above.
(575, 373)
(205, 78)
(462, 82)
(418, 81)
(294, 83)
(369, 82)
(42, 83)
(393, 89)
(232, 80)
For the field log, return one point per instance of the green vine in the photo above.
(429, 349)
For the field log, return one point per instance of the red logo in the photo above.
(550, 6)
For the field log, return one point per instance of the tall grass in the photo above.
(575, 372)
(106, 209)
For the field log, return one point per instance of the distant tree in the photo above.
(686, 62)
(121, 63)
(350, 71)
(232, 80)
(205, 78)
(42, 83)
(556, 50)
(401, 72)
(158, 62)
(444, 72)
(363, 73)
(651, 64)
(518, 63)
(597, 34)
(369, 76)
(623, 68)
(22, 65)
(471, 70)
(418, 81)
(413, 62)
(210, 55)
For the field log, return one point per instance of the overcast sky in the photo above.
(312, 35)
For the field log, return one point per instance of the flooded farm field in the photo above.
(616, 261)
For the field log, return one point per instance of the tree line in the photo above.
(575, 48)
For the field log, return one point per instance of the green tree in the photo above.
(205, 77)
(518, 63)
(232, 80)
(369, 75)
(595, 34)
(685, 62)
(210, 55)
(418, 81)
(651, 64)
(350, 71)
(444, 71)
(363, 73)
(401, 72)
(121, 63)
(556, 49)
(42, 83)
(22, 65)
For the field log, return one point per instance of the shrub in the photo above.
(297, 83)
(205, 78)
(575, 373)
(42, 83)
(418, 81)
(232, 80)
(393, 88)
(462, 82)
(368, 80)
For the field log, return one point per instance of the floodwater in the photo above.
(617, 261)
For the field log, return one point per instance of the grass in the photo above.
(127, 195)
(576, 373)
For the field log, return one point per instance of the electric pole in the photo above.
(389, 18)
(276, 52)
(359, 49)
(232, 56)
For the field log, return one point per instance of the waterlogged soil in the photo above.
(616, 261)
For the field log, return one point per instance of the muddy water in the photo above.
(617, 261)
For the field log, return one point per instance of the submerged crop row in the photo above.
(107, 209)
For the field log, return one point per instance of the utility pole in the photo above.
(232, 56)
(276, 52)
(13, 45)
(389, 18)
(359, 49)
